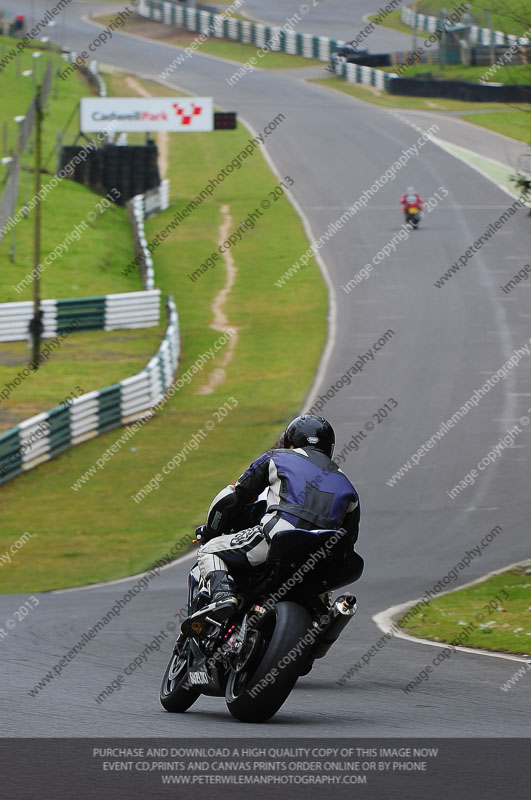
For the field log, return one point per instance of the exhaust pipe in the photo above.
(341, 613)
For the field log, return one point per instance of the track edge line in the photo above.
(385, 620)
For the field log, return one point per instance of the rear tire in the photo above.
(289, 625)
(175, 696)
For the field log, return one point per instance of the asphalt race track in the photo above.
(445, 342)
(341, 19)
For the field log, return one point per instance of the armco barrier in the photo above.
(132, 310)
(278, 39)
(95, 79)
(45, 435)
(368, 76)
(244, 31)
(109, 313)
(139, 208)
(423, 22)
(15, 319)
(91, 72)
(155, 200)
(419, 87)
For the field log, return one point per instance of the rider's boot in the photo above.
(223, 601)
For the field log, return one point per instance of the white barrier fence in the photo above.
(132, 310)
(110, 312)
(15, 319)
(45, 435)
(142, 206)
(219, 26)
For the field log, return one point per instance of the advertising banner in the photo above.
(146, 114)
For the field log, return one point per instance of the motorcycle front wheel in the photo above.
(175, 695)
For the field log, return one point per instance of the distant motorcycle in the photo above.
(284, 622)
(411, 205)
(413, 216)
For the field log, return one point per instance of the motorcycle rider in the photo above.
(305, 490)
(411, 198)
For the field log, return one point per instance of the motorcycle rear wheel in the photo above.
(257, 691)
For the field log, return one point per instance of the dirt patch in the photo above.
(376, 92)
(153, 30)
(8, 420)
(10, 357)
(221, 322)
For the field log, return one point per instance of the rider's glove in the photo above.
(203, 534)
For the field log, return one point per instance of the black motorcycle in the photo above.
(284, 622)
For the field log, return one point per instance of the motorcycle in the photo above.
(413, 216)
(285, 621)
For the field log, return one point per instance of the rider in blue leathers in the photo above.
(305, 490)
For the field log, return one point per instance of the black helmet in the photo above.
(310, 431)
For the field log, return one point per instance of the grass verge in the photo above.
(496, 610)
(392, 20)
(478, 8)
(85, 362)
(516, 74)
(372, 95)
(89, 265)
(99, 532)
(484, 13)
(514, 122)
(91, 260)
(16, 91)
(505, 119)
(234, 51)
(92, 263)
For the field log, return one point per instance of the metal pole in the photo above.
(12, 249)
(36, 323)
(442, 42)
(26, 181)
(491, 40)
